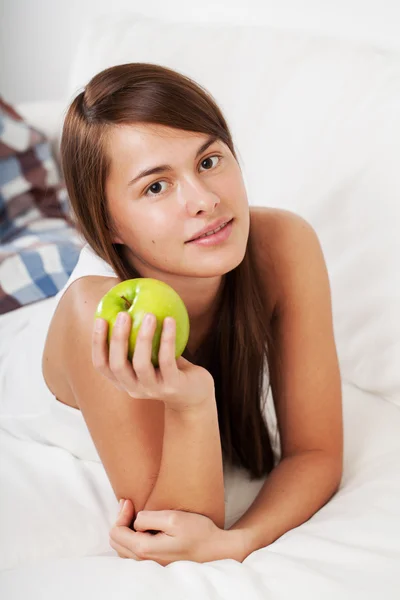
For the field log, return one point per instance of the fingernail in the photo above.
(169, 324)
(121, 319)
(99, 324)
(147, 321)
(121, 504)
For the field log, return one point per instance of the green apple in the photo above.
(138, 297)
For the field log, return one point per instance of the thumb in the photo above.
(126, 513)
(154, 521)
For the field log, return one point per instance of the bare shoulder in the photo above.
(82, 294)
(76, 307)
(80, 297)
(304, 365)
(281, 238)
(277, 231)
(91, 285)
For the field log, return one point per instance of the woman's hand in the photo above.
(177, 535)
(180, 384)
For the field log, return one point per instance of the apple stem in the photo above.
(129, 304)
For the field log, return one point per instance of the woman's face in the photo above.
(155, 215)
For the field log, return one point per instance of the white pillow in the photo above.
(316, 122)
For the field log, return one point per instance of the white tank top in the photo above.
(28, 409)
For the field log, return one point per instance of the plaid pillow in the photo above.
(30, 184)
(37, 263)
(39, 245)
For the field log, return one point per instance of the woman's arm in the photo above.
(152, 456)
(191, 471)
(305, 382)
(296, 489)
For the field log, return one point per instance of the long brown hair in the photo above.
(237, 348)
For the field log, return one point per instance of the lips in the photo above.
(209, 228)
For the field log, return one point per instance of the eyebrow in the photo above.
(161, 168)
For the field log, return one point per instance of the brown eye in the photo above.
(209, 159)
(151, 188)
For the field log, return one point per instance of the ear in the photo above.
(112, 229)
(116, 240)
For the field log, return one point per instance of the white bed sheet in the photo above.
(56, 511)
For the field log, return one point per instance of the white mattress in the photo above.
(56, 511)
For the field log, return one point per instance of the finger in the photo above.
(122, 551)
(100, 351)
(128, 539)
(126, 514)
(126, 553)
(160, 548)
(142, 544)
(166, 354)
(100, 347)
(156, 520)
(141, 360)
(118, 357)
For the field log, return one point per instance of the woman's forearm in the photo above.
(296, 488)
(191, 470)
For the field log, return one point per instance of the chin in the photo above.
(236, 261)
(218, 265)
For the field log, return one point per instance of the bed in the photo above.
(317, 125)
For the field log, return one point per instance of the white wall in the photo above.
(38, 37)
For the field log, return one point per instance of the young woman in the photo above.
(150, 168)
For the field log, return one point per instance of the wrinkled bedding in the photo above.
(56, 511)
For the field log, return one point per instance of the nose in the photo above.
(198, 198)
